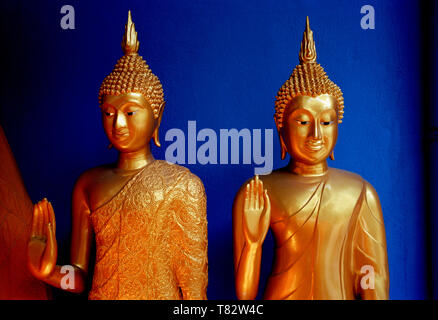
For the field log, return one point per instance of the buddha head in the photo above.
(131, 98)
(308, 109)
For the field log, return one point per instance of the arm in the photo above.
(369, 249)
(42, 248)
(251, 218)
(190, 239)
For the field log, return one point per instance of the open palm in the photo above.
(257, 211)
(42, 248)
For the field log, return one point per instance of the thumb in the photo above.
(51, 252)
(33, 261)
(267, 210)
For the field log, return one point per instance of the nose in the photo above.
(120, 120)
(316, 130)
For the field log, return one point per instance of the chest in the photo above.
(137, 210)
(307, 207)
(105, 187)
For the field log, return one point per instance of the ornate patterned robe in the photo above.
(151, 237)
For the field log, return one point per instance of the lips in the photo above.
(314, 145)
(120, 135)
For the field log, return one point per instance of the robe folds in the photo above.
(151, 237)
(330, 241)
(333, 245)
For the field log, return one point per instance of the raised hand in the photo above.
(256, 212)
(42, 248)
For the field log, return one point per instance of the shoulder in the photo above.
(194, 183)
(372, 197)
(351, 179)
(168, 168)
(181, 177)
(187, 191)
(347, 181)
(88, 178)
(352, 183)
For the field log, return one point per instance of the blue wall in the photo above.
(221, 63)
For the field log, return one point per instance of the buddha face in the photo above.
(128, 121)
(310, 128)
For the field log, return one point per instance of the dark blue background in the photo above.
(221, 63)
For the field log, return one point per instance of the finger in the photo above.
(251, 192)
(256, 192)
(43, 219)
(268, 205)
(52, 219)
(51, 252)
(262, 197)
(46, 215)
(33, 232)
(40, 221)
(246, 197)
(44, 211)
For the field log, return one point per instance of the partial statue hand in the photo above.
(42, 249)
(256, 212)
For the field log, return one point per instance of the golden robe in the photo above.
(330, 245)
(151, 237)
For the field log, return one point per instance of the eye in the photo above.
(131, 113)
(302, 122)
(108, 114)
(326, 123)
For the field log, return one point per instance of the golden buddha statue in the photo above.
(148, 216)
(327, 223)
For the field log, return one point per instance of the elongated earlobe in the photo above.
(283, 147)
(283, 153)
(155, 135)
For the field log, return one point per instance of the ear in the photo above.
(332, 154)
(157, 125)
(283, 146)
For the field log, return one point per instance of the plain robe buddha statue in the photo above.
(148, 216)
(327, 223)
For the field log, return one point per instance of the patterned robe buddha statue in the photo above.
(148, 216)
